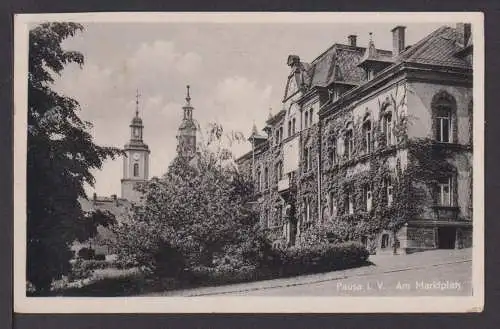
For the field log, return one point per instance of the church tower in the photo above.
(136, 158)
(186, 136)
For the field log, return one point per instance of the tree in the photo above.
(197, 209)
(60, 157)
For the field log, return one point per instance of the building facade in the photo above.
(372, 145)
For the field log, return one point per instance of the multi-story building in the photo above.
(372, 145)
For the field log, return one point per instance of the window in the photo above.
(306, 119)
(368, 196)
(349, 205)
(332, 204)
(307, 210)
(443, 109)
(443, 124)
(279, 171)
(307, 158)
(387, 126)
(367, 136)
(277, 138)
(281, 134)
(259, 180)
(332, 155)
(293, 126)
(136, 170)
(388, 191)
(266, 177)
(311, 118)
(444, 192)
(289, 128)
(279, 215)
(349, 142)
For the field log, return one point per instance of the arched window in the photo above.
(290, 128)
(306, 119)
(349, 141)
(293, 126)
(387, 126)
(136, 170)
(443, 107)
(367, 136)
(311, 118)
(281, 133)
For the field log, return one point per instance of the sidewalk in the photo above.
(382, 264)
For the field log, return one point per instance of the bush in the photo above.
(323, 257)
(86, 253)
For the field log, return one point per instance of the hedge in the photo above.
(284, 263)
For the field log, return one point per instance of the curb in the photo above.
(340, 277)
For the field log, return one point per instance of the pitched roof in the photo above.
(438, 48)
(339, 63)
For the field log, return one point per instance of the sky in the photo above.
(237, 72)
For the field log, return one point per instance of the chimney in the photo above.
(352, 40)
(398, 39)
(293, 60)
(463, 34)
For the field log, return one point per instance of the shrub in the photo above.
(86, 253)
(322, 257)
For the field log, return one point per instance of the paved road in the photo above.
(430, 273)
(442, 280)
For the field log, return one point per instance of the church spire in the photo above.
(186, 137)
(137, 95)
(188, 97)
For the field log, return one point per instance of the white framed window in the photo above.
(368, 197)
(349, 142)
(388, 191)
(349, 203)
(388, 128)
(443, 124)
(445, 192)
(332, 202)
(367, 136)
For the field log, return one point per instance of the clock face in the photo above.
(136, 156)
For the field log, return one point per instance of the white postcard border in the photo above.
(224, 304)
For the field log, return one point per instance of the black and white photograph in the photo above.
(205, 162)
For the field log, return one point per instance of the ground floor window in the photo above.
(445, 192)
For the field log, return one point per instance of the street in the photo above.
(429, 273)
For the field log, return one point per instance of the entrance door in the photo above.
(446, 237)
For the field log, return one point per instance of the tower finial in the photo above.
(188, 98)
(137, 95)
(371, 36)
